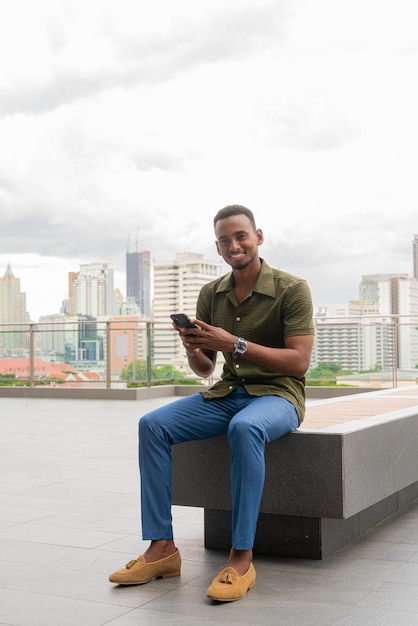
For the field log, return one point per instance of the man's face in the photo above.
(237, 241)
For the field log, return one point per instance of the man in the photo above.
(261, 319)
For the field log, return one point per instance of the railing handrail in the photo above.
(131, 319)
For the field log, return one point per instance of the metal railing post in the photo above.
(108, 357)
(395, 356)
(31, 355)
(149, 370)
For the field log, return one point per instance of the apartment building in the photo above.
(380, 329)
(91, 290)
(177, 284)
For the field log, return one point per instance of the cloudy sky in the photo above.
(129, 117)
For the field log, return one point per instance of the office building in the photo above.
(138, 279)
(91, 291)
(12, 311)
(79, 340)
(177, 285)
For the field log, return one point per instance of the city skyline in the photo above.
(120, 278)
(155, 116)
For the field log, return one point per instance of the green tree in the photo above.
(327, 370)
(137, 371)
(325, 373)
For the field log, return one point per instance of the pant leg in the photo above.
(187, 419)
(263, 420)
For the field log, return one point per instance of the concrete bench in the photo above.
(353, 463)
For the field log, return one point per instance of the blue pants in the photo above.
(249, 422)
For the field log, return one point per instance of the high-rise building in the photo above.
(392, 294)
(12, 311)
(415, 256)
(91, 291)
(72, 302)
(176, 288)
(12, 299)
(138, 279)
(379, 329)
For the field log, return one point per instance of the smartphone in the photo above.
(182, 320)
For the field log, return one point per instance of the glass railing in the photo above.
(92, 353)
(120, 352)
(369, 350)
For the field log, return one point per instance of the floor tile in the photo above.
(69, 516)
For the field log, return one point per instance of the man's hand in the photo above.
(202, 359)
(207, 338)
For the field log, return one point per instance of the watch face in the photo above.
(240, 346)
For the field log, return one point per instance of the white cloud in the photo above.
(135, 115)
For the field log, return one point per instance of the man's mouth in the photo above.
(236, 255)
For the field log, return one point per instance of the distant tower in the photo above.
(12, 300)
(415, 255)
(138, 278)
(12, 310)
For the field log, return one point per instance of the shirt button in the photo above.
(243, 380)
(238, 319)
(230, 387)
(237, 366)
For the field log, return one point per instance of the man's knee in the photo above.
(244, 430)
(148, 422)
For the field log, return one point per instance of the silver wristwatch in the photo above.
(240, 347)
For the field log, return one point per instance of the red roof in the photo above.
(19, 367)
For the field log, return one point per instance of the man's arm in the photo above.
(291, 360)
(202, 362)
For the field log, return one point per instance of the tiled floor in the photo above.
(69, 516)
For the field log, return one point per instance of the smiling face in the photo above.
(237, 241)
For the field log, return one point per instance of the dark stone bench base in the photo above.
(304, 537)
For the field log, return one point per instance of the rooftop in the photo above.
(69, 516)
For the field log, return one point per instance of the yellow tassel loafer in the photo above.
(227, 586)
(138, 572)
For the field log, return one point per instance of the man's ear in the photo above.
(260, 236)
(217, 247)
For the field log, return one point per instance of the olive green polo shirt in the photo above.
(278, 307)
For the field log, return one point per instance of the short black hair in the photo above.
(234, 209)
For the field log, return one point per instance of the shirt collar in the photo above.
(263, 285)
